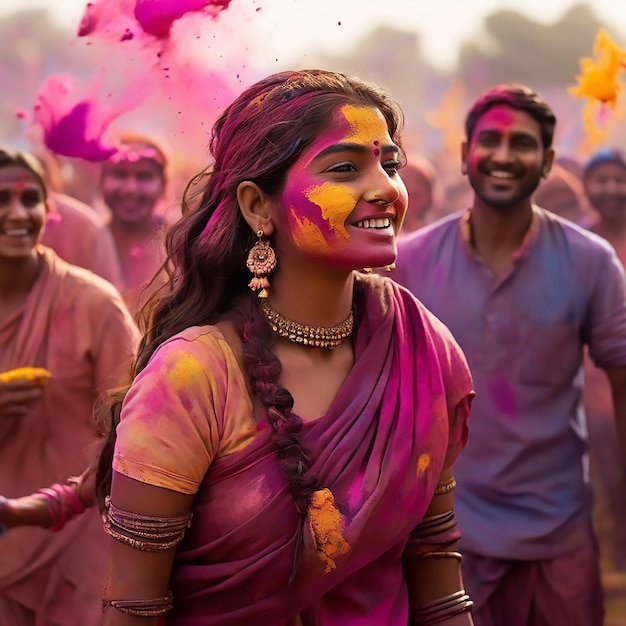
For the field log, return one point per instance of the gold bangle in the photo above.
(445, 487)
(142, 608)
(443, 555)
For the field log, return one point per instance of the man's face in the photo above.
(505, 159)
(131, 189)
(605, 188)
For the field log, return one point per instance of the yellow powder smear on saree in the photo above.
(308, 234)
(422, 463)
(184, 369)
(326, 524)
(28, 374)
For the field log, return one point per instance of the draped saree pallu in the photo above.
(399, 418)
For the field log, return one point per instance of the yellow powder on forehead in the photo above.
(307, 234)
(422, 463)
(336, 203)
(367, 124)
(183, 370)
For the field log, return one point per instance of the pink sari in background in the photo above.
(400, 417)
(75, 325)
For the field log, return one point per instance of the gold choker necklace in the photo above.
(315, 336)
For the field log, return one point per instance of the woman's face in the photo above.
(343, 201)
(22, 211)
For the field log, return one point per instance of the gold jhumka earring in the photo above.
(261, 262)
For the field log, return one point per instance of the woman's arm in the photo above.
(51, 507)
(138, 569)
(432, 564)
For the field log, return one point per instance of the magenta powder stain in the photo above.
(156, 17)
(503, 395)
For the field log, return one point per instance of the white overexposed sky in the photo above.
(294, 27)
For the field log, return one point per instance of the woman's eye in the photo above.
(391, 167)
(5, 197)
(31, 198)
(342, 167)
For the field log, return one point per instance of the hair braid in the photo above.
(263, 369)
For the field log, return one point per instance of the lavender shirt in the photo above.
(522, 486)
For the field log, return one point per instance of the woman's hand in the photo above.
(19, 397)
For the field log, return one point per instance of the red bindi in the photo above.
(21, 183)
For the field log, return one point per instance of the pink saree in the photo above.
(400, 417)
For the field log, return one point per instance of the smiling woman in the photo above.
(22, 210)
(286, 457)
(292, 434)
(65, 337)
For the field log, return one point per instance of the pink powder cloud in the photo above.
(162, 67)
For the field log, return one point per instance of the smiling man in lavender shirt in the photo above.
(523, 291)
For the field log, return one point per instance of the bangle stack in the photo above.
(142, 608)
(441, 609)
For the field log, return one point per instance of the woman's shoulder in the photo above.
(206, 341)
(194, 354)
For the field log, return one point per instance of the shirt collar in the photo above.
(465, 226)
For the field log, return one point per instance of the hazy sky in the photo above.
(293, 27)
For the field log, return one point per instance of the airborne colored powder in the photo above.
(598, 82)
(156, 17)
(72, 126)
(155, 67)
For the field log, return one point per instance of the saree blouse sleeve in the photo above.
(185, 408)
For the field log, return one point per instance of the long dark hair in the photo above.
(257, 138)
